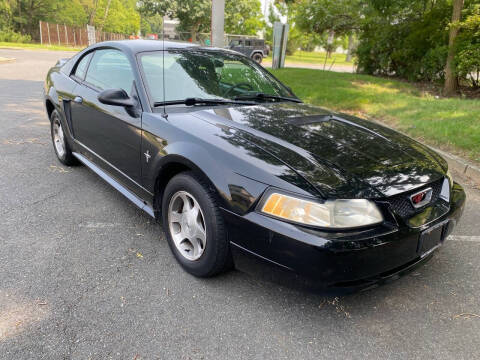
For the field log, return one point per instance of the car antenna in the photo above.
(164, 115)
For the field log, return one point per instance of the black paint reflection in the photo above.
(342, 156)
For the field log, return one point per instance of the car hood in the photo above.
(340, 155)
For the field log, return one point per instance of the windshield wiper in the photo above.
(201, 101)
(263, 96)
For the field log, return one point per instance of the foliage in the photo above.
(128, 16)
(121, 17)
(337, 16)
(5, 15)
(468, 64)
(468, 47)
(151, 24)
(241, 16)
(406, 38)
(409, 39)
(12, 36)
(452, 124)
(23, 16)
(73, 14)
(297, 39)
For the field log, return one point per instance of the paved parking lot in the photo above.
(84, 274)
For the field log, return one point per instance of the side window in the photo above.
(110, 69)
(248, 43)
(82, 66)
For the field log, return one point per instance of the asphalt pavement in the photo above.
(84, 274)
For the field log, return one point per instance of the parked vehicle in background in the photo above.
(253, 48)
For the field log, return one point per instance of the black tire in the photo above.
(216, 256)
(257, 57)
(66, 157)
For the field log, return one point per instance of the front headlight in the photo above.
(330, 214)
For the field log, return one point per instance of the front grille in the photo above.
(400, 204)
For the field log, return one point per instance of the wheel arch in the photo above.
(49, 107)
(171, 166)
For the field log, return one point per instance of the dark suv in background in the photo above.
(253, 48)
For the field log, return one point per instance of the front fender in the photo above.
(239, 171)
(237, 193)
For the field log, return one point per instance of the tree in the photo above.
(335, 17)
(450, 87)
(404, 38)
(241, 16)
(151, 24)
(194, 16)
(467, 59)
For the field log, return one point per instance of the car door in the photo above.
(109, 135)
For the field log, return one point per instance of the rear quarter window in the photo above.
(81, 67)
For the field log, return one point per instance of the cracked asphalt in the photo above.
(84, 274)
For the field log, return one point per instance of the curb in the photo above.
(6, 60)
(461, 165)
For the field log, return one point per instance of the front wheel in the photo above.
(194, 227)
(60, 144)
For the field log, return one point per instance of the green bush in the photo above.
(468, 64)
(467, 59)
(432, 66)
(12, 36)
(412, 45)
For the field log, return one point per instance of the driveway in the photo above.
(86, 275)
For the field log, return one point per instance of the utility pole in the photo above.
(218, 23)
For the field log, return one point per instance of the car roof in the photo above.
(134, 47)
(137, 46)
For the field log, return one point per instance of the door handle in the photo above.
(78, 99)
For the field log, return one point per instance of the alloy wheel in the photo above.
(58, 138)
(187, 225)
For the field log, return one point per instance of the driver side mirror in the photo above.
(116, 97)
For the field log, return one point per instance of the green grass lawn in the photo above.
(452, 124)
(38, 46)
(315, 57)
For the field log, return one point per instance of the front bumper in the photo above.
(284, 252)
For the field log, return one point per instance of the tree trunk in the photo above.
(194, 31)
(105, 15)
(450, 87)
(330, 40)
(91, 17)
(350, 48)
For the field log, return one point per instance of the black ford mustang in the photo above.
(238, 168)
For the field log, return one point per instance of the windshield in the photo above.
(207, 75)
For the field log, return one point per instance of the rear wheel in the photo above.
(60, 144)
(194, 227)
(257, 57)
